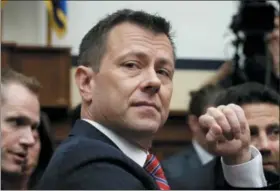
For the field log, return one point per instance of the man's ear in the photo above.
(85, 82)
(193, 123)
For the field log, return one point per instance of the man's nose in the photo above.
(27, 138)
(263, 145)
(151, 82)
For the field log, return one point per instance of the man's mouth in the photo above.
(20, 156)
(146, 104)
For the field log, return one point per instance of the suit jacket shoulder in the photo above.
(89, 160)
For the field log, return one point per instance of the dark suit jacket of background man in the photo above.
(185, 171)
(88, 159)
(182, 165)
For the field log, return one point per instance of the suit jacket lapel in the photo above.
(83, 128)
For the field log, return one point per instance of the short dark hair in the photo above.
(247, 93)
(93, 45)
(203, 97)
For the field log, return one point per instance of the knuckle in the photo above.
(236, 108)
(216, 130)
(209, 138)
(239, 109)
(201, 119)
(228, 111)
(212, 121)
(220, 116)
(236, 131)
(221, 106)
(211, 109)
(235, 127)
(232, 105)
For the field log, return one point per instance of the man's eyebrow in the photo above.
(273, 125)
(166, 62)
(15, 117)
(23, 118)
(253, 126)
(143, 55)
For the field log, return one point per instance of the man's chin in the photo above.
(12, 171)
(146, 126)
(141, 129)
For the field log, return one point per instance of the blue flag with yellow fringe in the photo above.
(3, 2)
(57, 13)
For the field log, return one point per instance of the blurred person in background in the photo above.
(185, 163)
(26, 146)
(261, 107)
(274, 46)
(255, 71)
(199, 168)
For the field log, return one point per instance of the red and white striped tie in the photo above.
(154, 168)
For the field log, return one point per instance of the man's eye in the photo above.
(163, 72)
(34, 127)
(20, 122)
(254, 132)
(276, 131)
(131, 65)
(17, 121)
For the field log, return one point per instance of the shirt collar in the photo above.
(203, 155)
(132, 151)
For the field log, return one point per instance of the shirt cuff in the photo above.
(246, 175)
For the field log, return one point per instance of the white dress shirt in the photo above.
(248, 174)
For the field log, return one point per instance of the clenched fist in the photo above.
(227, 133)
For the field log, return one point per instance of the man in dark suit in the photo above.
(197, 168)
(126, 66)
